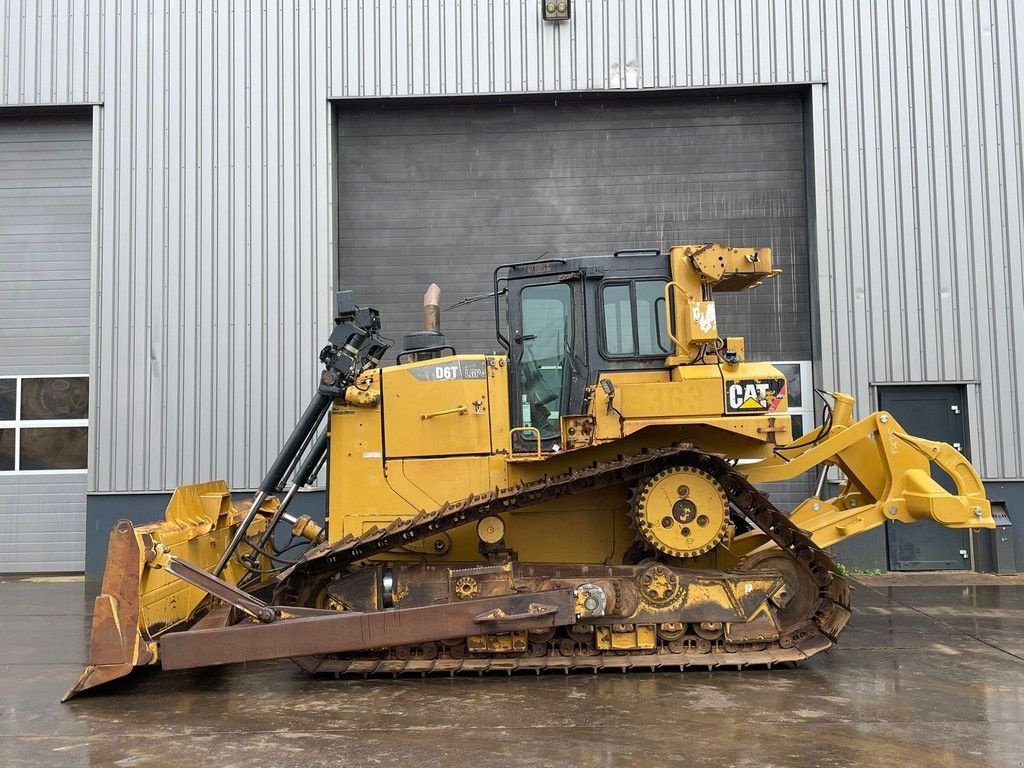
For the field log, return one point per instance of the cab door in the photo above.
(546, 367)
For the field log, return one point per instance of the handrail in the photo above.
(669, 320)
(512, 433)
(638, 252)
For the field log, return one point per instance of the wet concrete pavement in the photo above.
(924, 676)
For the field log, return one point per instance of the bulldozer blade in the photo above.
(115, 647)
(139, 602)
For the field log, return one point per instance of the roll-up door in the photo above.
(445, 192)
(45, 216)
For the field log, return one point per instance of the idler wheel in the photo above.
(803, 592)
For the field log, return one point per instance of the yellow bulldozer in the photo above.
(591, 498)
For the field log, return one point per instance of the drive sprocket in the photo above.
(681, 511)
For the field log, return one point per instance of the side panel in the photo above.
(372, 483)
(697, 391)
(429, 483)
(498, 391)
(357, 486)
(437, 408)
(695, 403)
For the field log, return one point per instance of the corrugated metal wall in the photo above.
(213, 169)
(51, 51)
(445, 47)
(215, 263)
(923, 187)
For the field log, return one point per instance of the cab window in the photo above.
(618, 320)
(634, 319)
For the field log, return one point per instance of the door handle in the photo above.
(459, 409)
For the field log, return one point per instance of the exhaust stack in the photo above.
(432, 309)
(430, 342)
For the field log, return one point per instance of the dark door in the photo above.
(936, 412)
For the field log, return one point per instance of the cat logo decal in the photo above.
(746, 395)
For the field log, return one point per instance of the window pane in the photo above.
(8, 396)
(54, 448)
(56, 398)
(792, 373)
(650, 317)
(6, 450)
(618, 320)
(798, 426)
(547, 338)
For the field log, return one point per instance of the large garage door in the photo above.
(444, 193)
(45, 214)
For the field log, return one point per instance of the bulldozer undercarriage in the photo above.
(784, 603)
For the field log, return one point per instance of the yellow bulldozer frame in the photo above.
(422, 449)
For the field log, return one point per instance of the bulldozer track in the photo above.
(815, 632)
(718, 658)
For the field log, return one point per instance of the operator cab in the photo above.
(571, 319)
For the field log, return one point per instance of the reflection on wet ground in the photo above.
(930, 676)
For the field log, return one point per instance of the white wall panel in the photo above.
(921, 119)
(213, 275)
(50, 51)
(503, 46)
